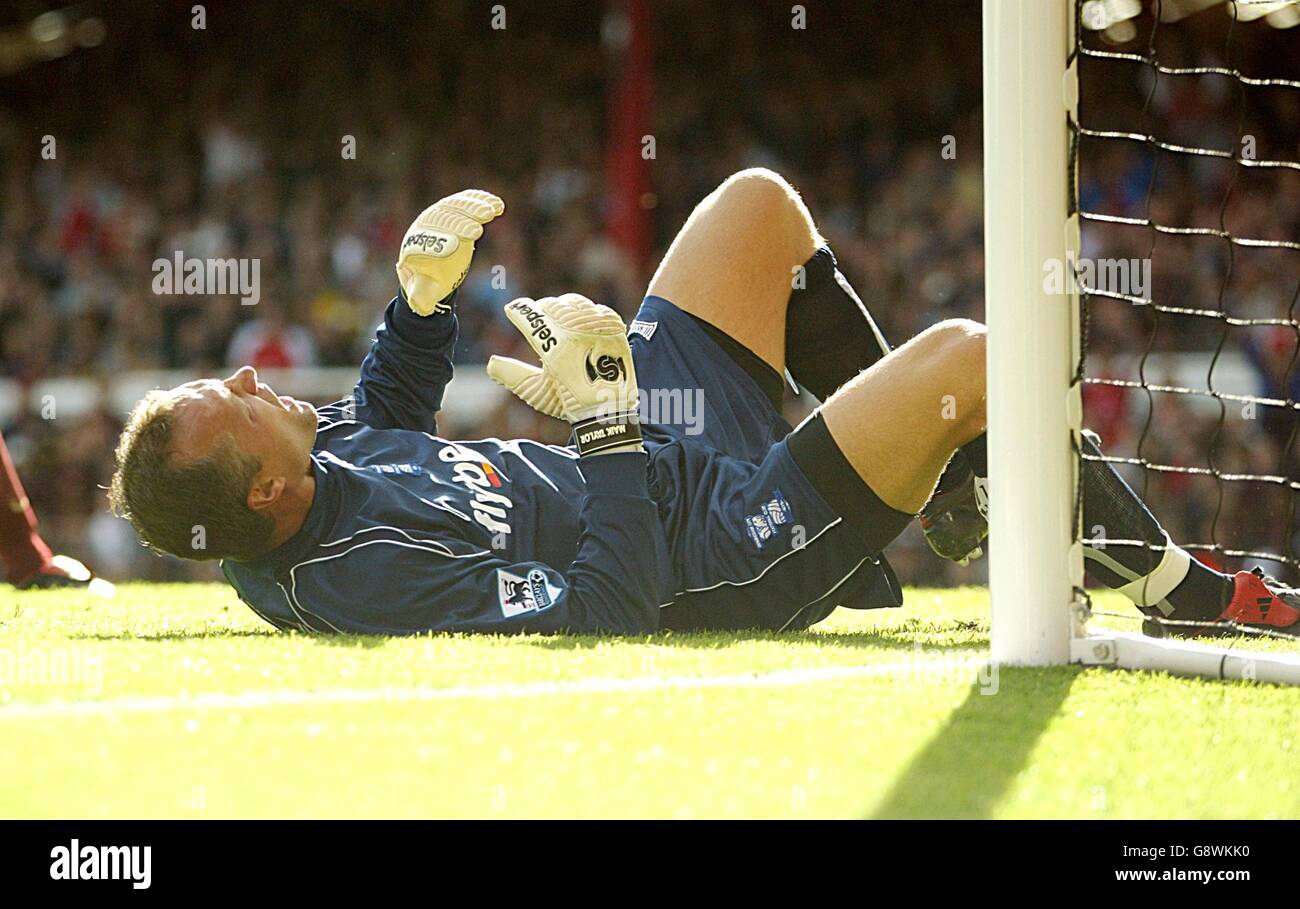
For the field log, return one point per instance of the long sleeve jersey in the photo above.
(409, 532)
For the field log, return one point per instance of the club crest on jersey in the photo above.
(774, 513)
(606, 367)
(529, 593)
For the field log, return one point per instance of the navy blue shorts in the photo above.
(753, 543)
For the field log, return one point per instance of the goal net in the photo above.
(1142, 199)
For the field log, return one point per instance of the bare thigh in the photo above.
(899, 422)
(734, 261)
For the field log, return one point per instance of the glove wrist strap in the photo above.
(605, 431)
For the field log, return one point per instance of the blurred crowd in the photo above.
(233, 141)
(1229, 307)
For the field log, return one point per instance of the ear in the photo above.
(265, 492)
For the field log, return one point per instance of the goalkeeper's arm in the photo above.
(588, 378)
(410, 363)
(619, 578)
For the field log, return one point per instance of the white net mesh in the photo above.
(1186, 179)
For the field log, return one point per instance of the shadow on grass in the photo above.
(968, 767)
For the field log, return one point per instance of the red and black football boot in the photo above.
(1259, 603)
(1262, 602)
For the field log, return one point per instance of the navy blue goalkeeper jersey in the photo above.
(714, 527)
(410, 532)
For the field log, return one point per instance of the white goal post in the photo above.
(1033, 565)
(1034, 409)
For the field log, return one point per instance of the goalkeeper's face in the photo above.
(229, 456)
(277, 430)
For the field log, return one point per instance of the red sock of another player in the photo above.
(21, 547)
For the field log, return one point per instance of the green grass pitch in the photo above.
(176, 701)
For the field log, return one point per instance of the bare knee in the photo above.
(758, 196)
(952, 353)
(757, 183)
(961, 337)
(737, 258)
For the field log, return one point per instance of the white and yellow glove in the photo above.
(438, 246)
(587, 376)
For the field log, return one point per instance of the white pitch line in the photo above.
(251, 700)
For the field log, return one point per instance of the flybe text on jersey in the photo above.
(491, 508)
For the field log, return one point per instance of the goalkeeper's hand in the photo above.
(587, 376)
(438, 246)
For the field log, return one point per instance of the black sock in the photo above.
(1203, 595)
(829, 335)
(1113, 511)
(977, 455)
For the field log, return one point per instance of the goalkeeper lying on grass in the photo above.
(359, 518)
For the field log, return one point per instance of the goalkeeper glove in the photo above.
(587, 376)
(438, 246)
